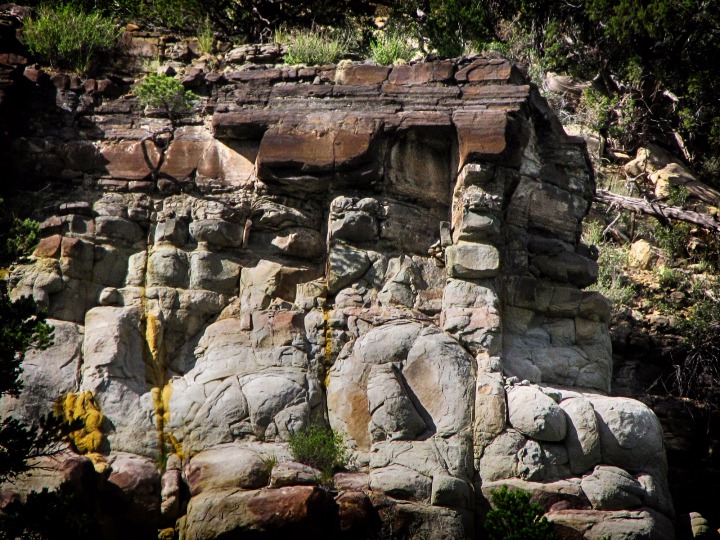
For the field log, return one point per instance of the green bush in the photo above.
(390, 47)
(515, 517)
(69, 38)
(673, 238)
(320, 448)
(314, 47)
(447, 26)
(18, 237)
(167, 93)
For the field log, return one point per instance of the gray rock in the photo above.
(48, 374)
(640, 524)
(226, 466)
(290, 473)
(611, 488)
(118, 229)
(500, 458)
(217, 232)
(490, 411)
(583, 436)
(392, 411)
(354, 226)
(450, 491)
(401, 482)
(172, 231)
(472, 261)
(214, 272)
(168, 267)
(535, 415)
(346, 265)
(630, 434)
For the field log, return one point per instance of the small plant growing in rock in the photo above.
(313, 47)
(68, 37)
(320, 448)
(166, 93)
(206, 37)
(390, 47)
(515, 517)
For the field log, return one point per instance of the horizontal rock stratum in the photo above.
(392, 252)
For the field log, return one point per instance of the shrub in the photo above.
(698, 374)
(18, 237)
(320, 448)
(167, 93)
(67, 37)
(389, 47)
(515, 517)
(314, 48)
(673, 238)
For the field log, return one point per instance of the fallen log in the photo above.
(657, 210)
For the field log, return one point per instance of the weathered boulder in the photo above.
(583, 436)
(534, 414)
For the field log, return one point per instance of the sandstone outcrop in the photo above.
(391, 252)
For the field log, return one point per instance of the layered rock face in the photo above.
(393, 252)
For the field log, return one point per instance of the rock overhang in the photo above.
(394, 251)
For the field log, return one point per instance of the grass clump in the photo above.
(515, 517)
(388, 48)
(320, 448)
(612, 282)
(167, 93)
(69, 38)
(206, 37)
(313, 47)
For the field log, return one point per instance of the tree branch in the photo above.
(659, 211)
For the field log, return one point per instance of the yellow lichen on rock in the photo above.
(327, 363)
(82, 410)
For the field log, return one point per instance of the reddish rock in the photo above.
(440, 71)
(358, 517)
(34, 75)
(300, 512)
(257, 75)
(128, 160)
(61, 81)
(10, 59)
(138, 482)
(246, 124)
(80, 155)
(49, 247)
(321, 146)
(182, 158)
(490, 136)
(361, 74)
(90, 85)
(489, 71)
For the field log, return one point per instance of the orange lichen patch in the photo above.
(83, 411)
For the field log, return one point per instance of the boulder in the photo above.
(225, 466)
(472, 261)
(611, 488)
(303, 512)
(583, 436)
(631, 436)
(534, 414)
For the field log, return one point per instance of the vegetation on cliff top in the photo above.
(651, 62)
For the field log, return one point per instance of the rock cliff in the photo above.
(393, 252)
